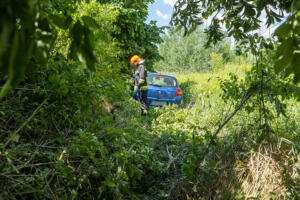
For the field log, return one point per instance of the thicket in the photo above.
(69, 128)
(190, 53)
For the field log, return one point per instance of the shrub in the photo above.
(216, 61)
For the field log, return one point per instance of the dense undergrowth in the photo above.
(248, 159)
(57, 147)
(70, 129)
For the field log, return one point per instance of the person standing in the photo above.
(140, 82)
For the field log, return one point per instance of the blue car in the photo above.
(163, 90)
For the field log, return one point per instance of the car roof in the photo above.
(162, 75)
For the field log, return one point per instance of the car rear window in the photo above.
(162, 81)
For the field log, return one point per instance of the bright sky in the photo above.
(161, 11)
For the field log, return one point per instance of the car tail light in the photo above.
(160, 75)
(179, 92)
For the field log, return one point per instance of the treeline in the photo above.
(189, 53)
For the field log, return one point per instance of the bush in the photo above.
(216, 61)
(189, 54)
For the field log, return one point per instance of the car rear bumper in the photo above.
(154, 102)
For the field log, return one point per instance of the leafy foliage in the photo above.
(215, 61)
(60, 135)
(70, 131)
(31, 28)
(240, 19)
(27, 27)
(134, 35)
(188, 54)
(288, 49)
(245, 133)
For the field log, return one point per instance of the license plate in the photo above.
(158, 103)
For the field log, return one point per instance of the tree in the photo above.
(240, 19)
(188, 54)
(134, 35)
(28, 32)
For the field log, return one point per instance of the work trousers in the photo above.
(143, 100)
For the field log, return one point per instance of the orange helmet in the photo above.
(135, 59)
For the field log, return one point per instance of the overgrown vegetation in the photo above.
(70, 129)
(189, 54)
(247, 159)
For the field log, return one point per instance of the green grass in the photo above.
(202, 112)
(202, 100)
(208, 82)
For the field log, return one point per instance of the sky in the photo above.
(161, 11)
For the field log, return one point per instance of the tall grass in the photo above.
(250, 167)
(202, 94)
(209, 82)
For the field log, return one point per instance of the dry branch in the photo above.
(249, 93)
(26, 122)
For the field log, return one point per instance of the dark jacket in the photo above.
(140, 79)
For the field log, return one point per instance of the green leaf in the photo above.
(5, 89)
(227, 25)
(250, 11)
(246, 26)
(285, 55)
(82, 47)
(282, 63)
(10, 162)
(283, 30)
(212, 164)
(40, 53)
(15, 138)
(295, 5)
(77, 33)
(285, 48)
(59, 140)
(277, 106)
(43, 24)
(61, 20)
(296, 67)
(110, 184)
(289, 70)
(90, 22)
(260, 4)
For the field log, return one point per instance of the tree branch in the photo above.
(26, 122)
(250, 92)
